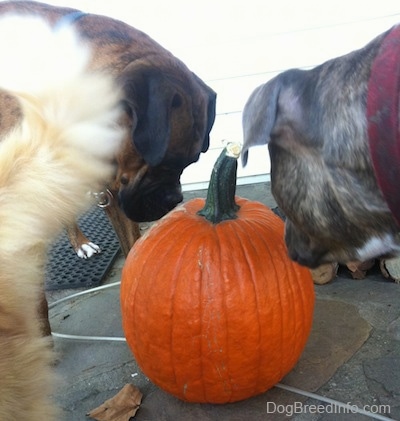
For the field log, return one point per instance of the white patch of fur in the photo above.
(378, 246)
(87, 250)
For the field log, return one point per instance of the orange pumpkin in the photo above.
(212, 308)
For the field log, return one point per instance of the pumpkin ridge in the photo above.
(201, 305)
(284, 294)
(201, 310)
(224, 370)
(133, 290)
(223, 238)
(291, 270)
(292, 299)
(131, 256)
(298, 305)
(305, 301)
(225, 375)
(271, 257)
(264, 238)
(297, 283)
(282, 298)
(287, 286)
(151, 281)
(204, 304)
(186, 238)
(173, 305)
(250, 269)
(170, 303)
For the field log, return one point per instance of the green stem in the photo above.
(220, 203)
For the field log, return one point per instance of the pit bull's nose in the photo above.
(306, 258)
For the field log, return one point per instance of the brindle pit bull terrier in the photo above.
(333, 134)
(169, 113)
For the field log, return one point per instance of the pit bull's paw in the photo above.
(87, 250)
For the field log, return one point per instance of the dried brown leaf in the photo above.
(121, 407)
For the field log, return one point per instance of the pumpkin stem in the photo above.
(220, 203)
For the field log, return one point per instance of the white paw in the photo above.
(88, 250)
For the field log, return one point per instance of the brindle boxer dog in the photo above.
(169, 113)
(333, 136)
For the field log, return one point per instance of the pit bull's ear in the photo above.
(259, 116)
(149, 99)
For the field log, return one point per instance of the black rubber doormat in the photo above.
(66, 270)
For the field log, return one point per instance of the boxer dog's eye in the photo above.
(124, 180)
(176, 101)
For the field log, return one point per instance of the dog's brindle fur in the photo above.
(321, 171)
(169, 115)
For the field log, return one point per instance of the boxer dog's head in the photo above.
(322, 174)
(170, 112)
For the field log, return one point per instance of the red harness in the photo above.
(384, 119)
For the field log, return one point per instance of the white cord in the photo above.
(350, 408)
(78, 294)
(88, 338)
(82, 337)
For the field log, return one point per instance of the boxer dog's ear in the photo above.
(259, 116)
(212, 99)
(211, 103)
(149, 99)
